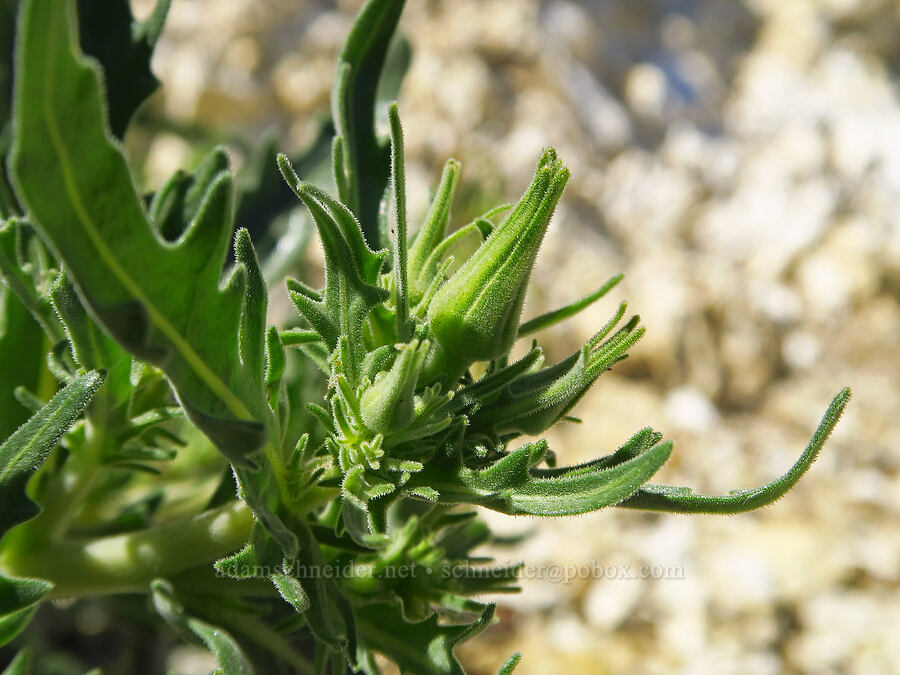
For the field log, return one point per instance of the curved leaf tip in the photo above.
(683, 500)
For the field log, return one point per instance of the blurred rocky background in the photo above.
(740, 162)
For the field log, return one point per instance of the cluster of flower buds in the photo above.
(408, 416)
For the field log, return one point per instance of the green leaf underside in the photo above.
(683, 500)
(19, 599)
(23, 453)
(511, 486)
(220, 643)
(423, 647)
(365, 166)
(77, 185)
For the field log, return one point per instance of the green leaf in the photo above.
(292, 591)
(331, 618)
(24, 452)
(511, 485)
(91, 347)
(21, 359)
(399, 267)
(510, 665)
(8, 204)
(13, 624)
(434, 228)
(14, 276)
(18, 602)
(683, 500)
(351, 270)
(177, 203)
(423, 647)
(563, 313)
(264, 201)
(123, 48)
(364, 167)
(20, 665)
(220, 643)
(166, 303)
(536, 401)
(17, 594)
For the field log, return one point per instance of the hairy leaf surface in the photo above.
(24, 452)
(164, 302)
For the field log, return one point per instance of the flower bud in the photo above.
(475, 315)
(389, 404)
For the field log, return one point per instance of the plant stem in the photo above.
(127, 563)
(71, 486)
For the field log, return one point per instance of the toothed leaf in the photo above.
(78, 188)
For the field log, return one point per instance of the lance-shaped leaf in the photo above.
(435, 226)
(683, 500)
(331, 618)
(19, 599)
(78, 188)
(512, 485)
(24, 452)
(21, 664)
(442, 262)
(8, 204)
(21, 359)
(563, 313)
(422, 647)
(488, 388)
(228, 653)
(124, 47)
(400, 278)
(534, 402)
(362, 165)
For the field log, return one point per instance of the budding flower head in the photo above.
(475, 315)
(389, 404)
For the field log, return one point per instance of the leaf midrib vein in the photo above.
(184, 348)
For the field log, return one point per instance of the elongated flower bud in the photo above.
(475, 315)
(389, 404)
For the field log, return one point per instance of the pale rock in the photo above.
(646, 90)
(167, 154)
(800, 349)
(609, 602)
(690, 409)
(567, 633)
(740, 579)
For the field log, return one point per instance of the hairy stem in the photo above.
(127, 563)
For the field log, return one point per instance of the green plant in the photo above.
(339, 528)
